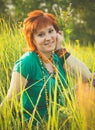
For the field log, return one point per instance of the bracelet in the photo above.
(62, 52)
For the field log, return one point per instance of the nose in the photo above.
(47, 37)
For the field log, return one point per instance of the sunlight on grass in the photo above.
(78, 114)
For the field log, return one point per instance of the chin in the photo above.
(51, 50)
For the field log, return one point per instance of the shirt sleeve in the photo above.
(24, 67)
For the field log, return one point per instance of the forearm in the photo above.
(74, 65)
(78, 67)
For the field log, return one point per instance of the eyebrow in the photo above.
(41, 31)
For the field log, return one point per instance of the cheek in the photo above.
(55, 37)
(39, 42)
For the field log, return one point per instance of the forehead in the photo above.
(44, 28)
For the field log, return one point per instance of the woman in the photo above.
(39, 74)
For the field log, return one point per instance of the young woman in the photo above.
(39, 75)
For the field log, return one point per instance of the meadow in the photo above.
(80, 110)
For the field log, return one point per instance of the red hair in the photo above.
(37, 20)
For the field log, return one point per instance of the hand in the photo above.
(59, 40)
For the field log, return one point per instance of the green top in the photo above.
(34, 93)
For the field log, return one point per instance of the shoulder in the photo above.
(25, 65)
(28, 56)
(27, 59)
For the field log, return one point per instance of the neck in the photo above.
(46, 57)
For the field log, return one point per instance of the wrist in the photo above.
(62, 52)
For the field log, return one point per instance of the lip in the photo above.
(50, 43)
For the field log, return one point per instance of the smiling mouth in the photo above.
(50, 43)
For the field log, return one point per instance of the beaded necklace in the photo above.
(54, 74)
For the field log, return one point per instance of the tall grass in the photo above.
(80, 108)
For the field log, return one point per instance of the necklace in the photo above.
(52, 74)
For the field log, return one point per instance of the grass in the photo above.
(80, 110)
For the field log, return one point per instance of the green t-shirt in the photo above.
(34, 93)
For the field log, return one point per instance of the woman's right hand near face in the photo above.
(59, 40)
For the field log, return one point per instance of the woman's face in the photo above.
(45, 39)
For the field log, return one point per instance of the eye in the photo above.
(51, 30)
(40, 34)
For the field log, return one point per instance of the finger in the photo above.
(60, 32)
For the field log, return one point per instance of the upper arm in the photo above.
(17, 84)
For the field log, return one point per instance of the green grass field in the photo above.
(80, 111)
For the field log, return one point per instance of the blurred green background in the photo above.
(76, 18)
(81, 13)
